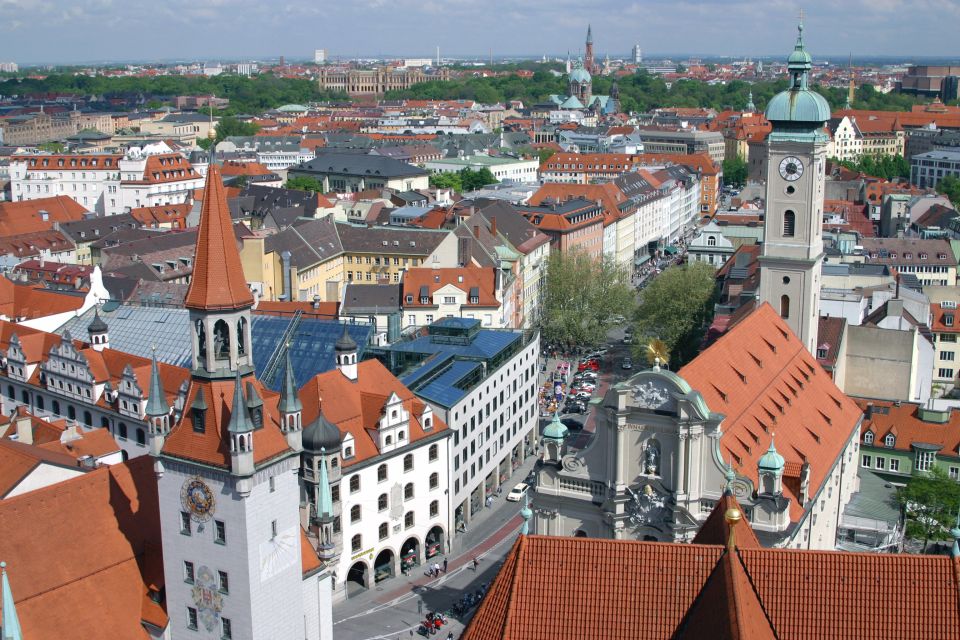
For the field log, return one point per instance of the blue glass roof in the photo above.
(136, 330)
(444, 390)
(486, 344)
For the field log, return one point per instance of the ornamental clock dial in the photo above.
(791, 168)
(197, 499)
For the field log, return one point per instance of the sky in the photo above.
(64, 31)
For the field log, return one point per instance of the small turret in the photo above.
(554, 436)
(291, 409)
(526, 514)
(158, 414)
(240, 429)
(346, 354)
(11, 623)
(770, 469)
(99, 332)
(750, 108)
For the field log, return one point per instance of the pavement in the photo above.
(394, 608)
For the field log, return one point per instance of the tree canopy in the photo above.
(886, 167)
(950, 187)
(735, 171)
(931, 501)
(304, 183)
(464, 180)
(581, 296)
(675, 308)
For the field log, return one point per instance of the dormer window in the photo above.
(409, 298)
(889, 441)
(821, 353)
(868, 437)
(948, 319)
(923, 256)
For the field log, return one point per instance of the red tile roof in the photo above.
(463, 278)
(908, 427)
(762, 378)
(582, 588)
(17, 218)
(59, 586)
(27, 301)
(356, 406)
(218, 281)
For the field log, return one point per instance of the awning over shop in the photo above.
(642, 260)
(670, 249)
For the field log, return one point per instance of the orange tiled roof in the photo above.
(59, 591)
(18, 460)
(28, 301)
(463, 278)
(762, 378)
(212, 445)
(608, 193)
(356, 406)
(17, 218)
(907, 426)
(218, 281)
(165, 168)
(618, 591)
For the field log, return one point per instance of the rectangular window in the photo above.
(224, 580)
(954, 473)
(188, 574)
(925, 460)
(946, 355)
(945, 373)
(867, 460)
(894, 464)
(226, 629)
(219, 532)
(273, 529)
(191, 618)
(273, 484)
(881, 463)
(185, 523)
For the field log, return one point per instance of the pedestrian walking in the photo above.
(444, 565)
(476, 563)
(436, 568)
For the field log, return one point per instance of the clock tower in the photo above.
(792, 250)
(227, 468)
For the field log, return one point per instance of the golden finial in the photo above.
(733, 517)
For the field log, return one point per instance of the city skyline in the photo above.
(51, 32)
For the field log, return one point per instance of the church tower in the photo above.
(792, 251)
(588, 51)
(228, 467)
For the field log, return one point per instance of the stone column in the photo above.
(681, 485)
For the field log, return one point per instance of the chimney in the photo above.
(476, 231)
(493, 226)
(24, 430)
(87, 462)
(287, 285)
(868, 414)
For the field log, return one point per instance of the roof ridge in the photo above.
(517, 567)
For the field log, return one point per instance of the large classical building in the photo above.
(359, 82)
(754, 411)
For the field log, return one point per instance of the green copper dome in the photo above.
(799, 104)
(556, 430)
(579, 74)
(771, 460)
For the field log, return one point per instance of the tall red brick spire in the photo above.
(218, 282)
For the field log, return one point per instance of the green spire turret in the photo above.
(11, 623)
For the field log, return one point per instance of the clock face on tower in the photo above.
(197, 499)
(791, 168)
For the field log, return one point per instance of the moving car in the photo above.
(518, 492)
(626, 364)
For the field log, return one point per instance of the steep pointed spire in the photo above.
(289, 400)
(11, 623)
(217, 282)
(324, 494)
(589, 34)
(750, 106)
(157, 402)
(239, 419)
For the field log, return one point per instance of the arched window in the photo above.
(890, 440)
(711, 241)
(56, 407)
(434, 480)
(71, 412)
(356, 542)
(221, 340)
(381, 473)
(242, 336)
(384, 531)
(25, 398)
(141, 437)
(434, 452)
(408, 519)
(408, 462)
(388, 441)
(355, 513)
(11, 392)
(87, 419)
(354, 484)
(104, 422)
(408, 491)
(868, 437)
(789, 223)
(434, 508)
(784, 306)
(122, 431)
(382, 502)
(401, 436)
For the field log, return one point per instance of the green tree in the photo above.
(581, 295)
(473, 180)
(675, 308)
(735, 171)
(885, 167)
(230, 126)
(304, 183)
(447, 181)
(950, 187)
(931, 502)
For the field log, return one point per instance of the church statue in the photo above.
(652, 458)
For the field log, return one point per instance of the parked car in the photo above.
(585, 395)
(585, 386)
(628, 339)
(517, 493)
(626, 364)
(572, 425)
(575, 407)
